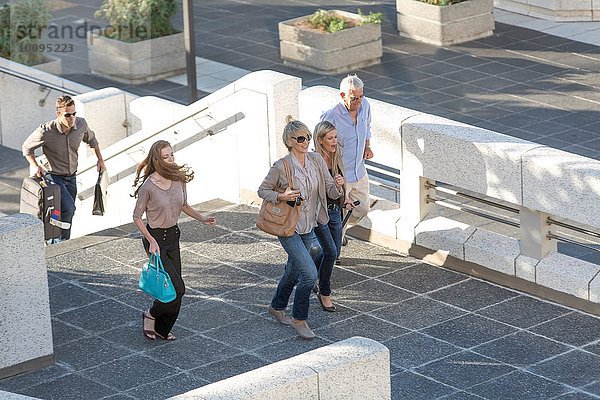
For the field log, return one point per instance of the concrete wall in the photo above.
(355, 368)
(15, 123)
(25, 329)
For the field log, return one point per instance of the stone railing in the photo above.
(25, 329)
(355, 368)
(218, 137)
(540, 182)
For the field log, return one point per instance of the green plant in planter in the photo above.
(21, 26)
(136, 20)
(441, 2)
(328, 21)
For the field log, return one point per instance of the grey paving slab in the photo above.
(524, 311)
(123, 374)
(100, 316)
(462, 396)
(371, 261)
(227, 368)
(232, 247)
(561, 329)
(88, 352)
(69, 297)
(473, 294)
(418, 313)
(413, 278)
(11, 160)
(594, 348)
(20, 382)
(519, 385)
(211, 313)
(278, 351)
(193, 351)
(269, 264)
(521, 349)
(576, 368)
(464, 370)
(361, 325)
(370, 295)
(576, 396)
(468, 330)
(69, 387)
(409, 385)
(415, 349)
(220, 280)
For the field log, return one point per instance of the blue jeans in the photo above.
(330, 238)
(300, 271)
(68, 193)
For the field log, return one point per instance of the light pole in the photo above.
(190, 49)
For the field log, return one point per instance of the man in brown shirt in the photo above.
(60, 140)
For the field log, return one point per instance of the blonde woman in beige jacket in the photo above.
(311, 185)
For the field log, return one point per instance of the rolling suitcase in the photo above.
(41, 198)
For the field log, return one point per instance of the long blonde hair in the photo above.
(154, 163)
(322, 129)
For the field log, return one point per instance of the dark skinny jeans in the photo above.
(165, 314)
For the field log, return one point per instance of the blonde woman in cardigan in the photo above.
(311, 185)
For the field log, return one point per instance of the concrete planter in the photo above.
(576, 10)
(443, 26)
(330, 53)
(138, 62)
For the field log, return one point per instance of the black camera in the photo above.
(296, 202)
(356, 202)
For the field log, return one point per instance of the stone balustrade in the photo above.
(352, 369)
(540, 182)
(25, 329)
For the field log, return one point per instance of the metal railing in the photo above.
(501, 219)
(44, 85)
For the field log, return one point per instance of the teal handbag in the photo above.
(155, 281)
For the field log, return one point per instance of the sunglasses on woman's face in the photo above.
(301, 139)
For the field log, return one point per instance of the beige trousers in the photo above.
(358, 191)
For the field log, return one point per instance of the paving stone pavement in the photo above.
(520, 82)
(450, 336)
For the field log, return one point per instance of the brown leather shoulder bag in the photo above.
(279, 219)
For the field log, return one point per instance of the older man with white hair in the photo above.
(352, 120)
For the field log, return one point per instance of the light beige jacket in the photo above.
(277, 178)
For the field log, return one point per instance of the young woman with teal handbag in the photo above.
(160, 188)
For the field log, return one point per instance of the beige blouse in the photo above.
(307, 178)
(162, 207)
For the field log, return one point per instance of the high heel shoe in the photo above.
(303, 330)
(326, 308)
(149, 334)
